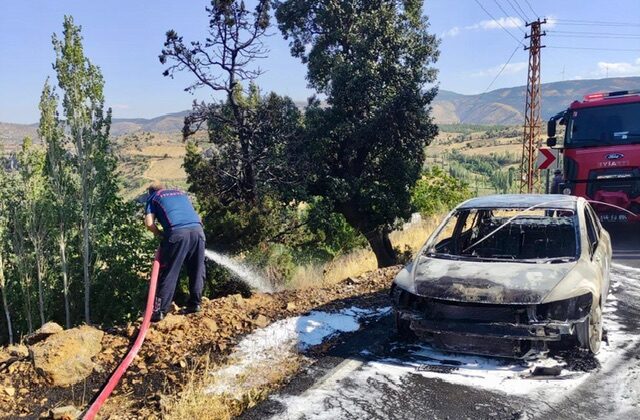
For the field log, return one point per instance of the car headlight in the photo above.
(404, 279)
(565, 310)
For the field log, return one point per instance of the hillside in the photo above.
(505, 106)
(500, 106)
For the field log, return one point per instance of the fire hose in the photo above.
(133, 351)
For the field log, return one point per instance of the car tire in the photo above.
(590, 331)
(403, 328)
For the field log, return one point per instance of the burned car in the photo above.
(509, 275)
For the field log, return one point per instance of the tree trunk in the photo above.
(40, 274)
(248, 173)
(381, 246)
(5, 305)
(25, 290)
(65, 276)
(7, 315)
(85, 261)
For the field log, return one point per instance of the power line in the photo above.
(523, 17)
(594, 23)
(501, 70)
(498, 22)
(504, 66)
(522, 10)
(563, 47)
(597, 36)
(531, 8)
(578, 33)
(507, 15)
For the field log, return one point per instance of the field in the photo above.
(486, 157)
(146, 157)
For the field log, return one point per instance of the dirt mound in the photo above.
(174, 346)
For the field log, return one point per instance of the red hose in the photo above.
(124, 364)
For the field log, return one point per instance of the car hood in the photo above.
(487, 282)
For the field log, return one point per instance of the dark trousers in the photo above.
(183, 246)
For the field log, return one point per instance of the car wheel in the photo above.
(403, 328)
(590, 332)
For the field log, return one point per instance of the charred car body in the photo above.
(509, 275)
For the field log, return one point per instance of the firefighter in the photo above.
(182, 242)
(558, 180)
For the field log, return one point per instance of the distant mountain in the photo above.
(501, 106)
(169, 123)
(506, 106)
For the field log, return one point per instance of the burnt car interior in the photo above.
(548, 235)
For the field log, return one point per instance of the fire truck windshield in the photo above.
(603, 125)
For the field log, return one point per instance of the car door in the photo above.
(597, 252)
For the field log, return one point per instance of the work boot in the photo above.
(157, 316)
(192, 309)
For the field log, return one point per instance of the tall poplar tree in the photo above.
(88, 125)
(62, 184)
(35, 211)
(4, 238)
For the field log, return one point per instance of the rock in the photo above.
(8, 390)
(238, 299)
(64, 359)
(291, 306)
(210, 324)
(68, 412)
(170, 322)
(5, 356)
(20, 351)
(48, 329)
(261, 321)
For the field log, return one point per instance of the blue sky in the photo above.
(124, 37)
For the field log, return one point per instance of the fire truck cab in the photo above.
(601, 153)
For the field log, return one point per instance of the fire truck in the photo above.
(601, 153)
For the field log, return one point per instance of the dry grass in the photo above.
(410, 239)
(166, 169)
(168, 150)
(193, 402)
(414, 236)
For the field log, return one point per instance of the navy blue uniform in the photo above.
(183, 243)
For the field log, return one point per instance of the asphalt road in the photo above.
(372, 375)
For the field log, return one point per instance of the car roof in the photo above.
(522, 201)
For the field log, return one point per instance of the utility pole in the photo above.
(531, 138)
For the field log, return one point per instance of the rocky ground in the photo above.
(54, 369)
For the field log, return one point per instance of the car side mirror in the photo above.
(551, 128)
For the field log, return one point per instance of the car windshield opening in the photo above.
(541, 235)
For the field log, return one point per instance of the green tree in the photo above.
(4, 239)
(88, 125)
(222, 63)
(437, 192)
(22, 253)
(62, 184)
(31, 162)
(244, 183)
(364, 151)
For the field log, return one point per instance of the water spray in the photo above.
(244, 273)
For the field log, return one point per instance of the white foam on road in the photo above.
(282, 340)
(345, 392)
